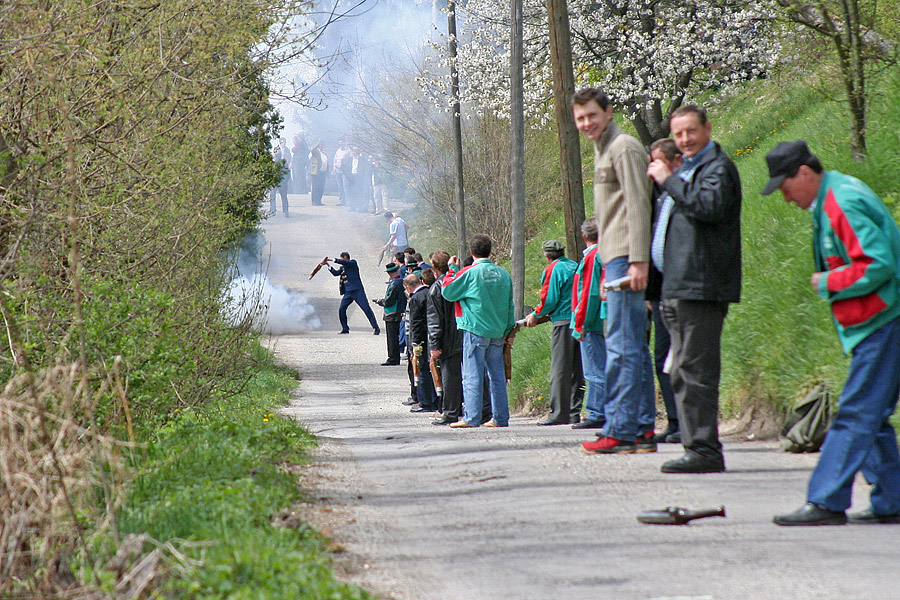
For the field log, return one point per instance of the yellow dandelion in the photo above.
(265, 420)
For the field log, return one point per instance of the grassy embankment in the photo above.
(779, 340)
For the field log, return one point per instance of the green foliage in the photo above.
(211, 479)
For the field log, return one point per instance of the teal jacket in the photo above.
(483, 296)
(856, 243)
(588, 310)
(556, 290)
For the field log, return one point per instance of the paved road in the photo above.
(430, 513)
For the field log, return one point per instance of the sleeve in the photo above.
(335, 272)
(867, 248)
(548, 297)
(713, 196)
(434, 311)
(455, 286)
(631, 170)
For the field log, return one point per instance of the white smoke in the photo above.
(269, 308)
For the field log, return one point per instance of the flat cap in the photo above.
(553, 246)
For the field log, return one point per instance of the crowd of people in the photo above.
(663, 252)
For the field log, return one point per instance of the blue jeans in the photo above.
(483, 356)
(593, 364)
(861, 437)
(629, 373)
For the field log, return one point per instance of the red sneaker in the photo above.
(608, 445)
(646, 443)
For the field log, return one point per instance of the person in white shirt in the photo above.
(399, 240)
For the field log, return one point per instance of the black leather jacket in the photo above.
(702, 257)
(418, 324)
(442, 332)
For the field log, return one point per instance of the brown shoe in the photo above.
(462, 425)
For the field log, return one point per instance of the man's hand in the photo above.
(603, 288)
(640, 273)
(454, 260)
(435, 353)
(658, 171)
(324, 261)
(530, 320)
(814, 280)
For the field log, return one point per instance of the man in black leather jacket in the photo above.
(418, 337)
(445, 342)
(701, 256)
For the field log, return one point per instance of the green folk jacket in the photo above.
(483, 296)
(588, 310)
(555, 298)
(856, 243)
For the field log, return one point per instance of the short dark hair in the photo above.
(812, 162)
(428, 276)
(554, 254)
(388, 215)
(689, 109)
(480, 245)
(589, 229)
(409, 250)
(439, 260)
(345, 255)
(418, 257)
(400, 257)
(585, 95)
(667, 147)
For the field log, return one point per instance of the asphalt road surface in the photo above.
(419, 512)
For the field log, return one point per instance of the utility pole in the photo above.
(517, 157)
(569, 145)
(460, 204)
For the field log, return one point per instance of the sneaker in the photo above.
(646, 443)
(608, 445)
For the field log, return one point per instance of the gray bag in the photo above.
(806, 425)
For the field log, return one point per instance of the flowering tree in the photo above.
(648, 55)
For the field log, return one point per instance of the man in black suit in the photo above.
(394, 304)
(418, 342)
(352, 290)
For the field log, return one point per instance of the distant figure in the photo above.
(399, 240)
(357, 180)
(352, 290)
(299, 164)
(337, 166)
(282, 158)
(318, 172)
(856, 248)
(379, 188)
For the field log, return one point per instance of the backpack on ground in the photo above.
(807, 423)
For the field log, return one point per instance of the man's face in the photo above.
(801, 189)
(591, 120)
(657, 154)
(689, 134)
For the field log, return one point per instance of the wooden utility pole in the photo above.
(460, 204)
(569, 145)
(517, 156)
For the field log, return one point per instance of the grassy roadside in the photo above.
(210, 483)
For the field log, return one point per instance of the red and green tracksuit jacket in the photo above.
(856, 244)
(483, 296)
(588, 310)
(556, 290)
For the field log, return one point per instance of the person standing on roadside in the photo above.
(337, 165)
(318, 172)
(555, 303)
(418, 343)
(587, 324)
(394, 305)
(701, 260)
(622, 208)
(399, 240)
(486, 314)
(445, 342)
(856, 247)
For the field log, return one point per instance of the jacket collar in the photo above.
(611, 132)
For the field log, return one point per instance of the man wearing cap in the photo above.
(856, 247)
(555, 304)
(394, 304)
(701, 267)
(622, 208)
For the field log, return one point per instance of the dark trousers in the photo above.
(318, 188)
(695, 327)
(661, 343)
(566, 379)
(425, 392)
(451, 381)
(358, 296)
(392, 331)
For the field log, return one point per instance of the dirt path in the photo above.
(430, 513)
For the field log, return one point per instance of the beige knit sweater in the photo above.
(622, 202)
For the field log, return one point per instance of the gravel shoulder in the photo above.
(418, 512)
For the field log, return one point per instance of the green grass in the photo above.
(211, 481)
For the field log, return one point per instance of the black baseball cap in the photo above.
(784, 160)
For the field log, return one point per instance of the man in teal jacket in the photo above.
(485, 314)
(555, 304)
(856, 246)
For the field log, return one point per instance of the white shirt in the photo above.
(398, 230)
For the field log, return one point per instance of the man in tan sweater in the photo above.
(622, 207)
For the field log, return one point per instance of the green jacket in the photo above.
(588, 310)
(556, 290)
(856, 243)
(483, 296)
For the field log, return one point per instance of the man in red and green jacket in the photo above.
(566, 379)
(856, 245)
(588, 314)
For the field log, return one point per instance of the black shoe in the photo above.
(574, 420)
(646, 443)
(377, 331)
(589, 424)
(445, 420)
(690, 463)
(663, 438)
(867, 517)
(343, 331)
(418, 409)
(811, 514)
(674, 438)
(390, 363)
(410, 401)
(550, 422)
